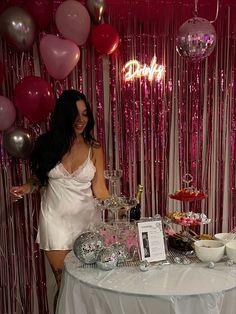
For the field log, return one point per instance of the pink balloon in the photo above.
(73, 21)
(7, 113)
(60, 56)
(34, 98)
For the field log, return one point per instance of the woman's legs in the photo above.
(56, 260)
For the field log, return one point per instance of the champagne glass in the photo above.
(102, 205)
(114, 203)
(113, 176)
(128, 202)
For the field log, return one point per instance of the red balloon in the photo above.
(105, 38)
(34, 98)
(41, 11)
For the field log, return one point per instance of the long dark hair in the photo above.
(51, 146)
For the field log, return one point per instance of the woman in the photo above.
(67, 163)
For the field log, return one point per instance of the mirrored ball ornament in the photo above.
(211, 265)
(121, 251)
(196, 39)
(186, 261)
(229, 262)
(107, 259)
(144, 265)
(177, 260)
(87, 247)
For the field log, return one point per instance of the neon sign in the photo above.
(134, 69)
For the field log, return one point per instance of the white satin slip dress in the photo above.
(67, 206)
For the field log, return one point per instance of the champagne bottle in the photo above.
(135, 212)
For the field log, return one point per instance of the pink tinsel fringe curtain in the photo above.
(155, 132)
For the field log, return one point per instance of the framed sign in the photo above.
(151, 240)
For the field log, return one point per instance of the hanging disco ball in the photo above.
(196, 39)
(87, 247)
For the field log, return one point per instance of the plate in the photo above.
(187, 196)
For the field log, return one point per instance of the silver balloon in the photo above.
(18, 142)
(121, 251)
(96, 9)
(196, 39)
(107, 259)
(17, 27)
(87, 246)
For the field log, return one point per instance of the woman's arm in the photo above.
(98, 184)
(32, 184)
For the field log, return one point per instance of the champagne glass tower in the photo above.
(113, 176)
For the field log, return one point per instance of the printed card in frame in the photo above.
(151, 240)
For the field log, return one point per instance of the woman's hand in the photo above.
(17, 192)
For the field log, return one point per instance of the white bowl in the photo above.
(231, 250)
(223, 237)
(209, 250)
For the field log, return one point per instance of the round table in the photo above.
(171, 289)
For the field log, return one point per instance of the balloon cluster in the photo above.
(35, 99)
(18, 25)
(60, 54)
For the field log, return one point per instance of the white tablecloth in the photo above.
(173, 289)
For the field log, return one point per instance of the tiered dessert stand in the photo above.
(187, 219)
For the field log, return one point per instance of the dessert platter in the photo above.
(188, 218)
(188, 193)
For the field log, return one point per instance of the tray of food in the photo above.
(188, 195)
(188, 218)
(184, 240)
